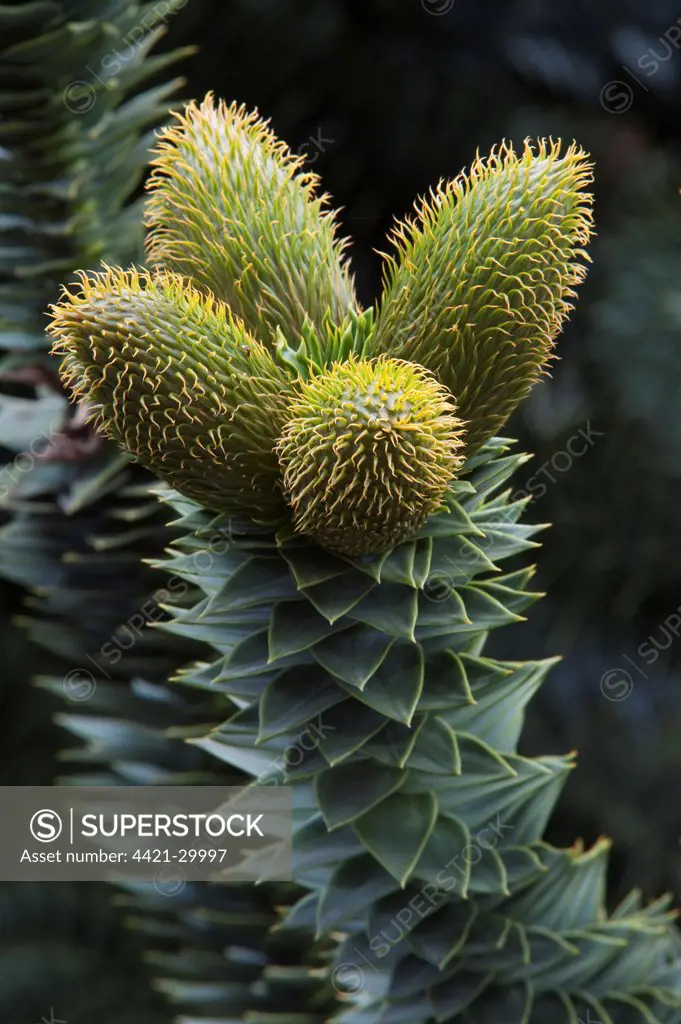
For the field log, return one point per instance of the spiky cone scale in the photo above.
(231, 209)
(179, 383)
(363, 684)
(483, 278)
(368, 452)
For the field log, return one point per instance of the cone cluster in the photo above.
(183, 365)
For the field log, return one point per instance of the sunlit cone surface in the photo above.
(368, 453)
(231, 209)
(483, 277)
(179, 383)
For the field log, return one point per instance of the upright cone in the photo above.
(482, 281)
(180, 384)
(232, 210)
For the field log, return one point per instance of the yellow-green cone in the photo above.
(180, 365)
(482, 281)
(180, 384)
(368, 453)
(231, 209)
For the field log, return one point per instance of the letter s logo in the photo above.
(46, 826)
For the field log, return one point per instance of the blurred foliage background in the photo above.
(384, 97)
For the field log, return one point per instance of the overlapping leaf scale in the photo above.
(363, 684)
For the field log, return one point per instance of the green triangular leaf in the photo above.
(347, 791)
(397, 830)
(354, 886)
(296, 696)
(353, 655)
(297, 626)
(390, 608)
(335, 598)
(436, 750)
(395, 687)
(347, 727)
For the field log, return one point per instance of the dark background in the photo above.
(384, 98)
